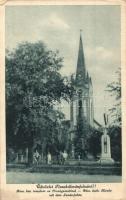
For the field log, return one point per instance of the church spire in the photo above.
(81, 69)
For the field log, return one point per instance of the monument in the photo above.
(105, 146)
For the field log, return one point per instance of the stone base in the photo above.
(81, 162)
(106, 161)
(72, 162)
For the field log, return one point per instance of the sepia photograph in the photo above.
(63, 94)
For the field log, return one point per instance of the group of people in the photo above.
(36, 157)
(62, 157)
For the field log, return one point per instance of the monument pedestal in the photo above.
(106, 161)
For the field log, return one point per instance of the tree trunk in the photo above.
(30, 150)
(30, 155)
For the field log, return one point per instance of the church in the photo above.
(81, 106)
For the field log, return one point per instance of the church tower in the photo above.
(81, 107)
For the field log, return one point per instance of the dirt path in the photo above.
(29, 178)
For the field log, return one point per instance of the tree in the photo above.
(116, 143)
(95, 143)
(114, 129)
(114, 88)
(33, 85)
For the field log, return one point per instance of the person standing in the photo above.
(49, 158)
(65, 155)
(36, 157)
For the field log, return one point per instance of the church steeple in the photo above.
(81, 68)
(81, 107)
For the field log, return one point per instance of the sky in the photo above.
(59, 27)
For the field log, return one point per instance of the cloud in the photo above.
(99, 52)
(55, 22)
(101, 60)
(103, 53)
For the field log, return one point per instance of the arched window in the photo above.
(80, 101)
(91, 111)
(80, 94)
(85, 107)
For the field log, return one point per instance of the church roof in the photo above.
(81, 68)
(97, 123)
